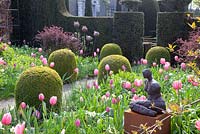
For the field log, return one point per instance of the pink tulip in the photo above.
(6, 119)
(77, 123)
(114, 101)
(107, 67)
(103, 98)
(107, 109)
(37, 114)
(197, 124)
(111, 81)
(32, 64)
(19, 128)
(33, 55)
(166, 66)
(144, 62)
(166, 77)
(162, 61)
(176, 58)
(2, 62)
(23, 105)
(96, 34)
(177, 85)
(135, 97)
(96, 71)
(195, 83)
(76, 70)
(126, 85)
(183, 66)
(133, 90)
(41, 96)
(138, 83)
(111, 73)
(95, 54)
(154, 64)
(160, 71)
(88, 38)
(81, 52)
(41, 57)
(76, 24)
(84, 29)
(98, 50)
(107, 94)
(123, 68)
(40, 50)
(53, 100)
(143, 98)
(44, 61)
(52, 64)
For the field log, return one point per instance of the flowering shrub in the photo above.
(53, 38)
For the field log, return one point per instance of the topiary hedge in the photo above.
(110, 49)
(128, 33)
(150, 9)
(170, 26)
(65, 63)
(38, 80)
(155, 53)
(115, 62)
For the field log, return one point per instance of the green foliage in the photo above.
(155, 53)
(65, 63)
(150, 9)
(110, 49)
(170, 26)
(38, 80)
(129, 36)
(6, 51)
(115, 62)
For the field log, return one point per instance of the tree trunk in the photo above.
(88, 8)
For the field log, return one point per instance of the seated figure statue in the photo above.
(154, 103)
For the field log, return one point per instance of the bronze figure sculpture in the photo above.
(154, 104)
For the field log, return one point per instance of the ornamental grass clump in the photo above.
(38, 80)
(65, 64)
(53, 38)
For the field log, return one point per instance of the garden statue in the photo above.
(174, 5)
(132, 5)
(154, 104)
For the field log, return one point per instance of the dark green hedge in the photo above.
(150, 9)
(170, 26)
(128, 33)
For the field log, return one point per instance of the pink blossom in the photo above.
(88, 86)
(44, 61)
(41, 96)
(76, 24)
(177, 85)
(144, 61)
(160, 71)
(19, 128)
(81, 52)
(103, 98)
(107, 67)
(111, 81)
(107, 94)
(138, 82)
(33, 55)
(183, 66)
(52, 64)
(77, 123)
(111, 73)
(114, 101)
(37, 114)
(143, 98)
(154, 64)
(133, 90)
(23, 105)
(76, 70)
(6, 119)
(107, 109)
(190, 78)
(135, 97)
(41, 57)
(84, 29)
(88, 38)
(176, 58)
(126, 85)
(197, 124)
(2, 62)
(53, 100)
(195, 83)
(96, 71)
(162, 61)
(123, 68)
(40, 50)
(166, 77)
(166, 66)
(98, 50)
(95, 54)
(96, 33)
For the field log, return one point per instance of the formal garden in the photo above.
(101, 61)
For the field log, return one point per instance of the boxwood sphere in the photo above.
(155, 53)
(110, 49)
(65, 62)
(38, 80)
(115, 62)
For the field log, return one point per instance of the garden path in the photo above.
(66, 92)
